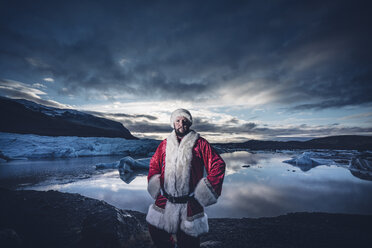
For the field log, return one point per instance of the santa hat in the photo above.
(180, 112)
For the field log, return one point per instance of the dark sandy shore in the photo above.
(54, 219)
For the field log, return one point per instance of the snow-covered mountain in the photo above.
(26, 117)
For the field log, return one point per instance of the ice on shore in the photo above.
(17, 146)
(127, 164)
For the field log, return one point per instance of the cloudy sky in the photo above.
(245, 69)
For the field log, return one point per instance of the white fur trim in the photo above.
(178, 163)
(161, 219)
(204, 193)
(155, 216)
(176, 182)
(153, 187)
(177, 177)
(172, 216)
(180, 112)
(195, 227)
(167, 219)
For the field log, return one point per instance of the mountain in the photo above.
(342, 142)
(26, 117)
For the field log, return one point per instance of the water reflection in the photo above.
(236, 161)
(108, 187)
(21, 173)
(268, 187)
(256, 193)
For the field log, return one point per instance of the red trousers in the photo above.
(162, 239)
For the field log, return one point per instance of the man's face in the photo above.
(181, 126)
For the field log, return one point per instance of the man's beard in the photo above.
(179, 134)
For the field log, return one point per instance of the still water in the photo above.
(256, 185)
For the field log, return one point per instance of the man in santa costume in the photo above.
(185, 175)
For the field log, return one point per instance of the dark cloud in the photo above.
(204, 125)
(270, 133)
(148, 127)
(233, 121)
(17, 90)
(212, 129)
(308, 54)
(139, 123)
(135, 123)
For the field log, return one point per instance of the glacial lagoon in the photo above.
(257, 184)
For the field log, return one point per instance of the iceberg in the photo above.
(305, 161)
(17, 146)
(3, 157)
(361, 164)
(127, 164)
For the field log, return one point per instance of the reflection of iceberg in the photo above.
(128, 164)
(362, 175)
(129, 168)
(127, 177)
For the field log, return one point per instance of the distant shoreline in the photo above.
(342, 142)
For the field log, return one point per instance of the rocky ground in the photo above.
(54, 219)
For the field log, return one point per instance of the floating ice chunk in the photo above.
(304, 159)
(127, 164)
(130, 164)
(360, 164)
(361, 167)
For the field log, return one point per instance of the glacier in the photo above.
(30, 146)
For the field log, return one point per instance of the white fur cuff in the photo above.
(204, 193)
(153, 186)
(195, 227)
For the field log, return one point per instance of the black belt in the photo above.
(179, 199)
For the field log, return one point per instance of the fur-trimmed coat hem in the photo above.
(191, 225)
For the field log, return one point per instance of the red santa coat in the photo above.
(179, 168)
